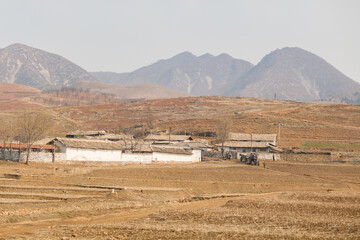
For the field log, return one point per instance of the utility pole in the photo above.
(279, 131)
(251, 142)
(169, 134)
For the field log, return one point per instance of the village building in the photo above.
(108, 151)
(244, 142)
(16, 152)
(111, 137)
(87, 150)
(193, 145)
(84, 134)
(167, 139)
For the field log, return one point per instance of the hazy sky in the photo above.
(123, 35)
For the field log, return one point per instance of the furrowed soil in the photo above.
(207, 200)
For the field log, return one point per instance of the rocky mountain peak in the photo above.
(36, 68)
(294, 74)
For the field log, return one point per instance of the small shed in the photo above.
(39, 152)
(22, 146)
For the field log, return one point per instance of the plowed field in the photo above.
(208, 200)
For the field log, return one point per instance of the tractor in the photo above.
(250, 159)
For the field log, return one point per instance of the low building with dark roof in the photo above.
(245, 142)
(167, 139)
(88, 150)
(108, 151)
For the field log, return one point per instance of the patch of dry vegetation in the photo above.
(74, 97)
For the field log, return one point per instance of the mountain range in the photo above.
(204, 75)
(288, 73)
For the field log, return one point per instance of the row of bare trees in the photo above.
(26, 128)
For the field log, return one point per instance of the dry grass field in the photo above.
(313, 126)
(208, 200)
(302, 124)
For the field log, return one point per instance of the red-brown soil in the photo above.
(300, 122)
(312, 125)
(9, 91)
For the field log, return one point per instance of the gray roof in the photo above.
(87, 133)
(253, 137)
(153, 137)
(192, 145)
(171, 150)
(89, 144)
(143, 148)
(239, 144)
(112, 136)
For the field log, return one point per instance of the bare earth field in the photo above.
(208, 200)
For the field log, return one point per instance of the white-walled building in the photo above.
(244, 142)
(88, 150)
(107, 151)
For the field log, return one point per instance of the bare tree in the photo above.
(222, 133)
(3, 137)
(148, 123)
(137, 130)
(8, 134)
(33, 126)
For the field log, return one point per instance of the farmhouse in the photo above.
(243, 142)
(167, 139)
(88, 150)
(108, 151)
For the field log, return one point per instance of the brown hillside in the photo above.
(134, 91)
(313, 125)
(300, 122)
(9, 91)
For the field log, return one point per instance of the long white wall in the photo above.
(75, 154)
(170, 157)
(136, 157)
(269, 156)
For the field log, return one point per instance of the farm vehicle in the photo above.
(250, 159)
